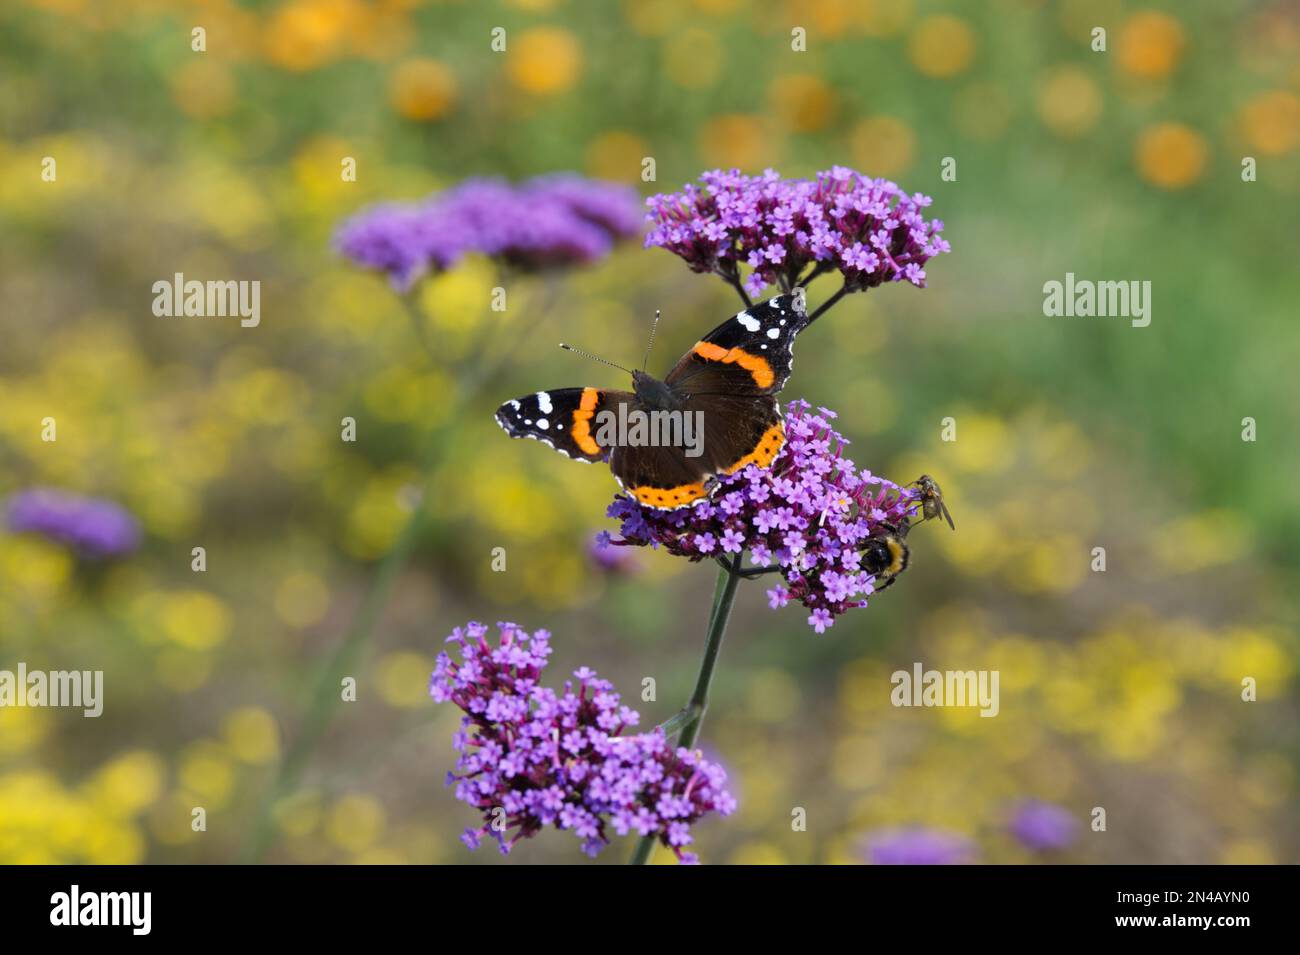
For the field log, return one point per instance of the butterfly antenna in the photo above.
(585, 354)
(653, 329)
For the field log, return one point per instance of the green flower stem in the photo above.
(326, 693)
(691, 718)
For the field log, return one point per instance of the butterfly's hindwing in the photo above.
(660, 477)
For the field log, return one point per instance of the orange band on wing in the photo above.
(669, 497)
(756, 366)
(581, 429)
(769, 444)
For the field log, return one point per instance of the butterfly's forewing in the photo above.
(751, 353)
(565, 419)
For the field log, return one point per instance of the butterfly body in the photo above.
(722, 393)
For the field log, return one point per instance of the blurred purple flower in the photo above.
(95, 527)
(811, 513)
(787, 230)
(918, 846)
(1043, 827)
(531, 757)
(610, 557)
(550, 221)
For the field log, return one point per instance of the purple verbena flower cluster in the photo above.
(95, 527)
(787, 230)
(810, 513)
(550, 221)
(531, 757)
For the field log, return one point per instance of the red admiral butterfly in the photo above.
(729, 381)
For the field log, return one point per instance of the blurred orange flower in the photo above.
(616, 155)
(882, 146)
(736, 142)
(307, 34)
(1171, 155)
(544, 60)
(423, 89)
(803, 101)
(1271, 122)
(1150, 44)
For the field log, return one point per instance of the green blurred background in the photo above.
(1119, 689)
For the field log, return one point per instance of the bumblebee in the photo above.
(886, 555)
(932, 500)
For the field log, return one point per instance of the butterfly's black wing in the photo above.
(751, 353)
(564, 418)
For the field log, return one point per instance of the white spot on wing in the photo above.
(774, 333)
(544, 402)
(543, 424)
(750, 323)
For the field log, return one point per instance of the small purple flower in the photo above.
(918, 846)
(95, 527)
(788, 230)
(531, 757)
(1043, 827)
(811, 513)
(550, 221)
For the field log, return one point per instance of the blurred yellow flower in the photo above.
(544, 60)
(22, 728)
(422, 89)
(301, 599)
(758, 853)
(941, 46)
(616, 155)
(1201, 541)
(736, 141)
(300, 813)
(1170, 155)
(693, 59)
(251, 734)
(403, 678)
(207, 772)
(203, 88)
(1271, 122)
(183, 670)
(882, 146)
(355, 822)
(1149, 45)
(194, 619)
(655, 17)
(130, 783)
(1068, 102)
(802, 101)
(882, 17)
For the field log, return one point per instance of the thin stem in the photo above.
(692, 717)
(416, 315)
(326, 692)
(825, 306)
(821, 268)
(733, 279)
